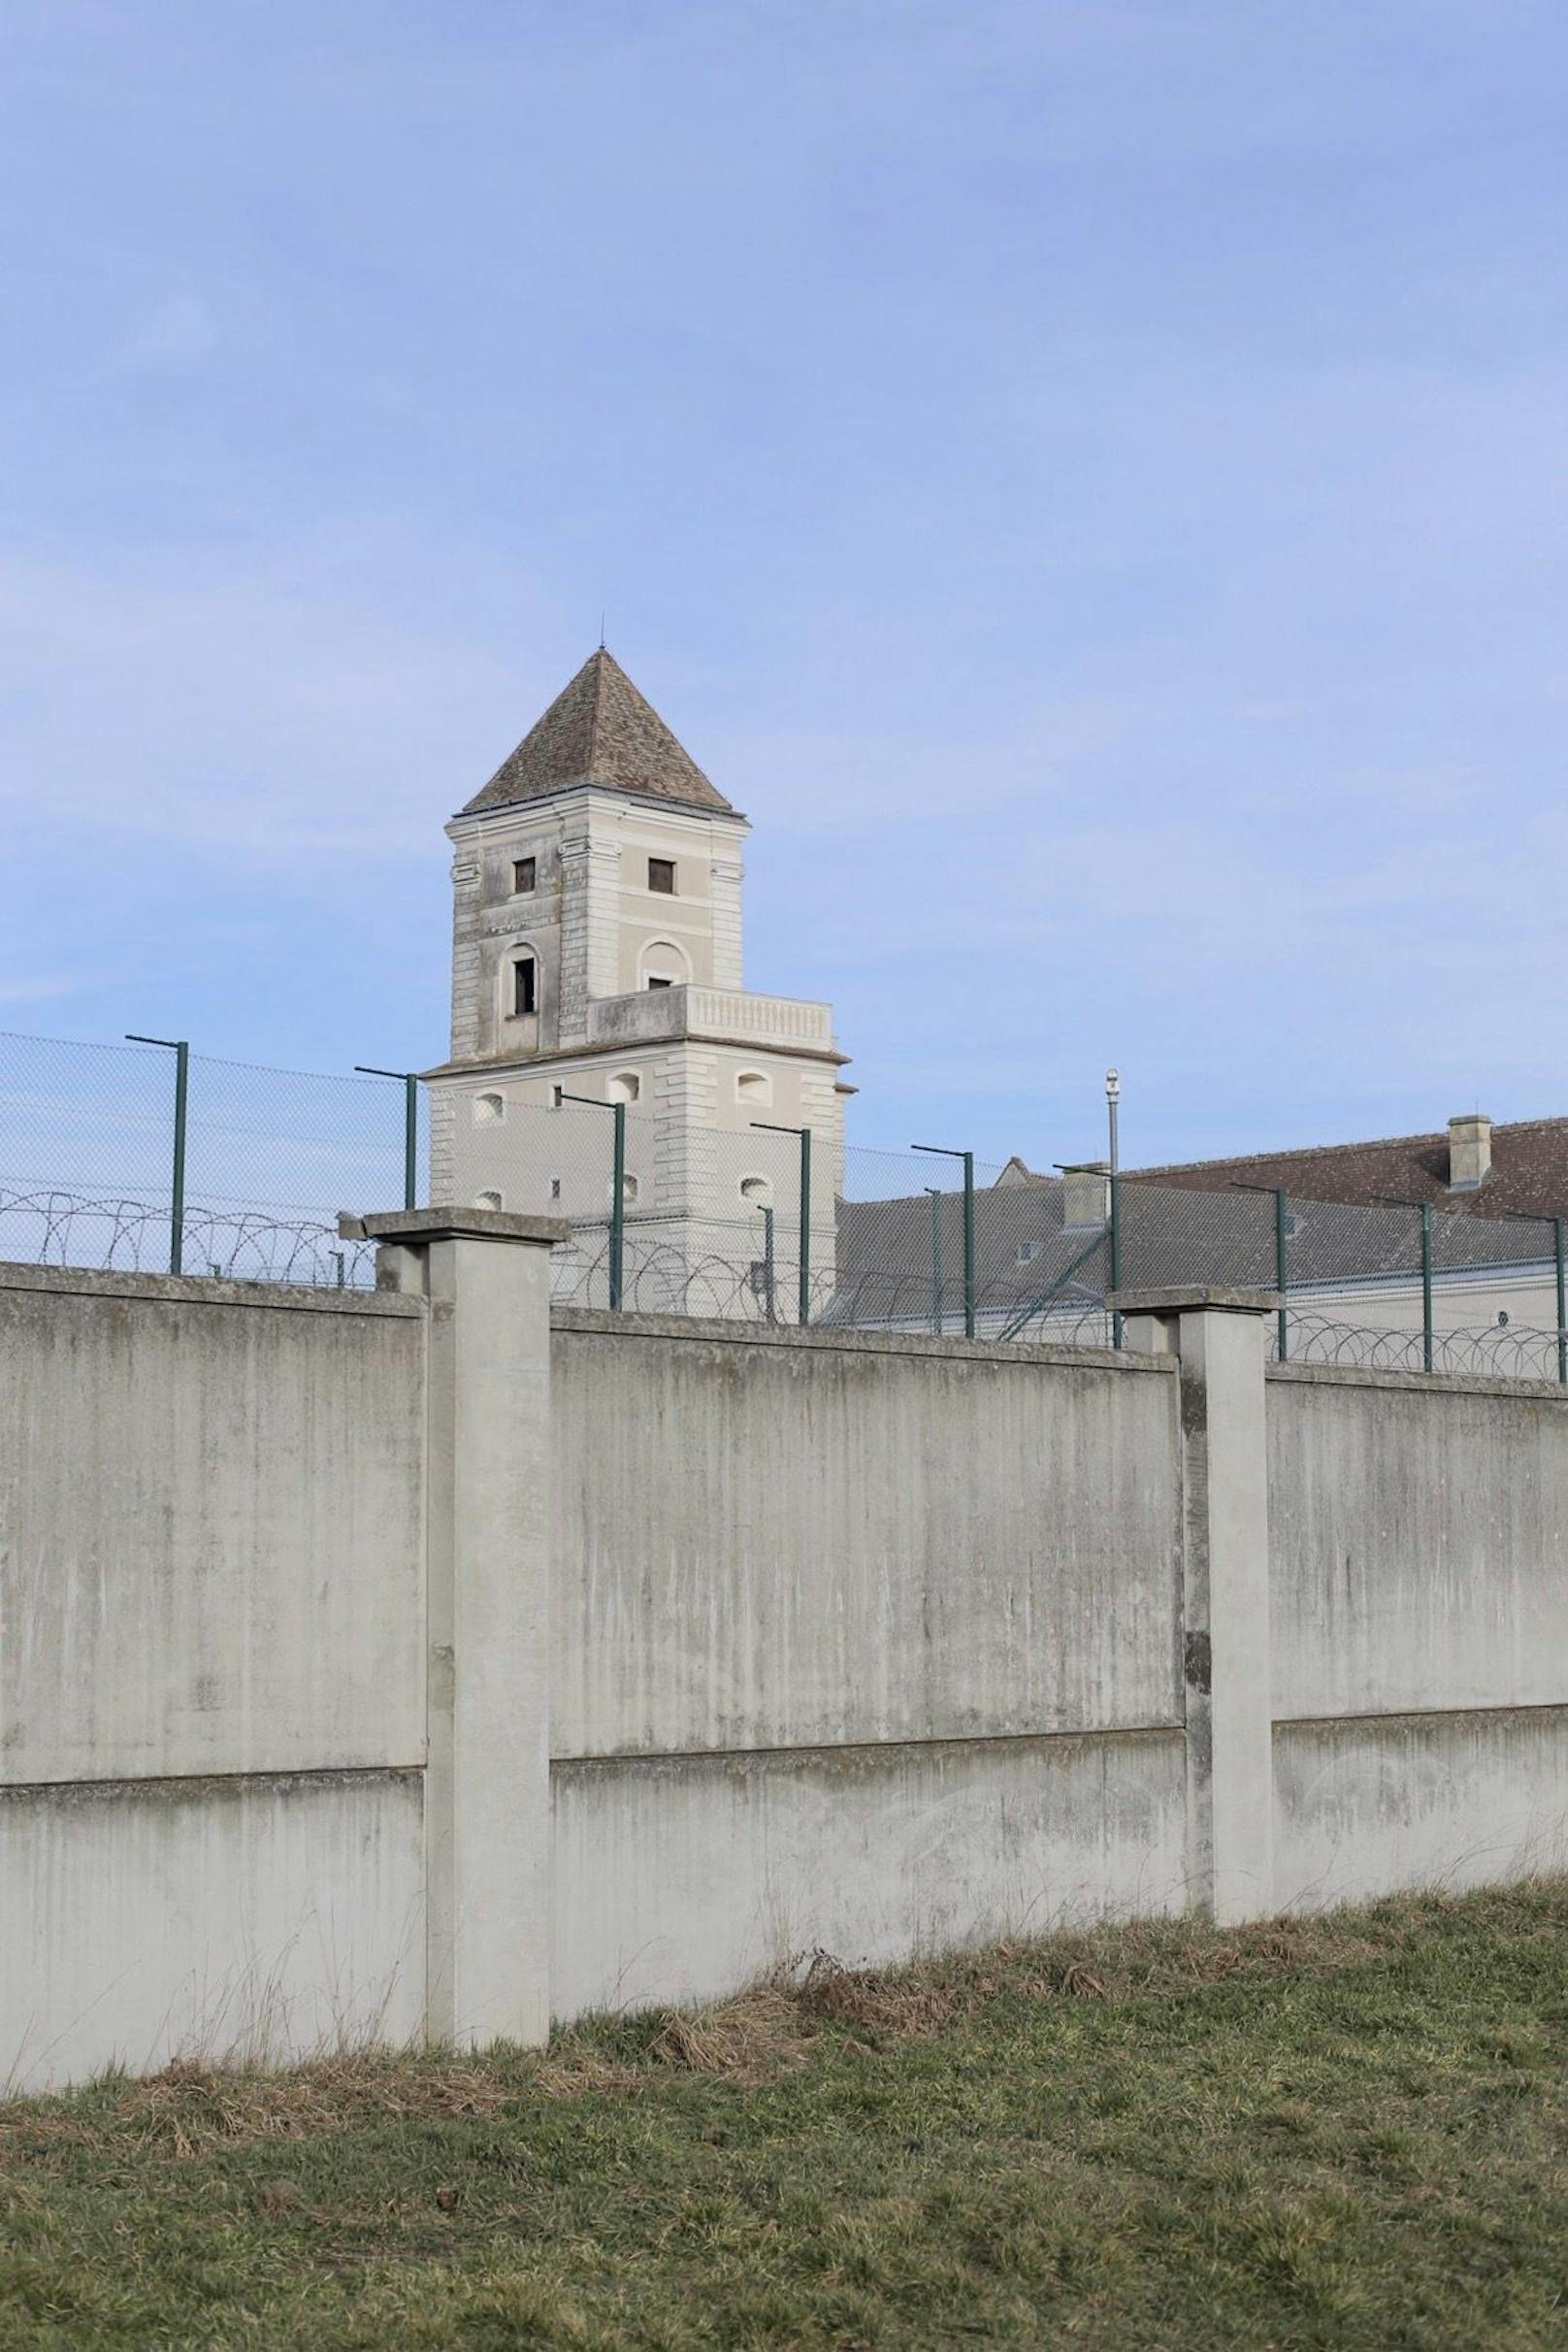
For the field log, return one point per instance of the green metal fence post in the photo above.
(1559, 1256)
(617, 1191)
(1281, 1255)
(179, 1047)
(770, 1278)
(176, 1210)
(617, 1214)
(1426, 1284)
(946, 1151)
(408, 1079)
(1392, 1202)
(934, 1194)
(770, 1126)
(1113, 1105)
(805, 1226)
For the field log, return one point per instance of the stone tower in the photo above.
(596, 954)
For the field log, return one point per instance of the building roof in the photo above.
(599, 730)
(1032, 1268)
(1529, 1176)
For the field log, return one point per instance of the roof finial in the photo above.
(600, 628)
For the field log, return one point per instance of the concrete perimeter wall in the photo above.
(864, 1644)
(211, 1660)
(1418, 1548)
(395, 1665)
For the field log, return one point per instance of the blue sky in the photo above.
(1087, 479)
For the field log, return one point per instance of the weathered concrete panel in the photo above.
(1419, 1546)
(679, 1878)
(211, 1529)
(778, 1541)
(1467, 1799)
(260, 1920)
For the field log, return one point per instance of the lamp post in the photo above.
(1113, 1099)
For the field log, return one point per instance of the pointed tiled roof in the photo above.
(599, 730)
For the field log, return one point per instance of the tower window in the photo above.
(663, 964)
(662, 875)
(524, 874)
(524, 985)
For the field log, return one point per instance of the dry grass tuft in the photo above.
(577, 2073)
(904, 2003)
(190, 2110)
(758, 2033)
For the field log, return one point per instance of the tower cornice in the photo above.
(473, 824)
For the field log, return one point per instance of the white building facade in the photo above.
(597, 960)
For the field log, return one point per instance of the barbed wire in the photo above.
(661, 1278)
(1485, 1351)
(51, 1226)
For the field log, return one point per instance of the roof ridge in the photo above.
(596, 706)
(1327, 1151)
(1290, 1150)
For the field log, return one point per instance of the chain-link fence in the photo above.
(146, 1157)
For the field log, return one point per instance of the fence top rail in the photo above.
(204, 1290)
(1515, 1387)
(848, 1338)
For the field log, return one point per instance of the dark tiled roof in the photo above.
(1029, 1263)
(1528, 1178)
(599, 730)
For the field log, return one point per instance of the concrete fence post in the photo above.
(1220, 1337)
(486, 1274)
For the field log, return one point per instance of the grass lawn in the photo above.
(1349, 2131)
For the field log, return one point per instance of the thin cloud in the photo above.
(179, 334)
(36, 991)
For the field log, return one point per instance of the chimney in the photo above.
(1085, 1195)
(1469, 1152)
